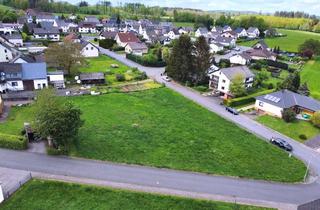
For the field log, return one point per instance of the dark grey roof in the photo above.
(221, 39)
(203, 30)
(13, 36)
(52, 30)
(27, 58)
(288, 99)
(109, 34)
(31, 71)
(251, 29)
(226, 27)
(10, 67)
(55, 72)
(85, 43)
(46, 24)
(239, 30)
(137, 46)
(91, 76)
(232, 72)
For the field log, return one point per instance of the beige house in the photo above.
(136, 48)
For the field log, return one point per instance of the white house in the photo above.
(201, 32)
(226, 28)
(15, 39)
(34, 76)
(7, 29)
(173, 34)
(229, 34)
(216, 47)
(217, 29)
(261, 54)
(253, 32)
(51, 34)
(241, 59)
(6, 54)
(123, 39)
(241, 32)
(56, 79)
(221, 80)
(274, 104)
(86, 28)
(225, 41)
(136, 48)
(89, 50)
(23, 76)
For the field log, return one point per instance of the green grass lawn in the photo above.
(103, 64)
(183, 24)
(163, 129)
(17, 116)
(292, 130)
(311, 75)
(289, 43)
(39, 194)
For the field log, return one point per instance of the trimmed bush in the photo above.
(13, 142)
(120, 77)
(277, 64)
(107, 43)
(288, 115)
(303, 137)
(246, 99)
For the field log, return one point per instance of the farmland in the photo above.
(290, 43)
(161, 128)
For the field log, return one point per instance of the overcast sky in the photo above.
(309, 6)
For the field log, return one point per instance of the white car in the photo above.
(166, 78)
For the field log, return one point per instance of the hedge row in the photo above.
(246, 99)
(13, 142)
(278, 64)
(143, 62)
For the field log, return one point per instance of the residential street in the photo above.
(193, 184)
(190, 183)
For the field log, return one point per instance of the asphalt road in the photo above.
(191, 183)
(160, 178)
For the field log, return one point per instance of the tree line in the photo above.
(294, 14)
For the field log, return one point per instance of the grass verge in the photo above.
(39, 194)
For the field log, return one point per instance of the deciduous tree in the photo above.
(56, 118)
(66, 55)
(237, 87)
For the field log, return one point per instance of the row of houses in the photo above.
(27, 76)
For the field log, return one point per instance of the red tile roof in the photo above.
(127, 37)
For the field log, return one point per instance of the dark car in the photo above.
(281, 143)
(232, 110)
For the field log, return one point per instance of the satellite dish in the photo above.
(76, 77)
(3, 74)
(78, 81)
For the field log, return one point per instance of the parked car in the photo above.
(166, 78)
(232, 110)
(281, 143)
(237, 49)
